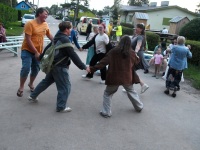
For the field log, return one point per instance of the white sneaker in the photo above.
(67, 109)
(102, 82)
(144, 88)
(32, 99)
(123, 90)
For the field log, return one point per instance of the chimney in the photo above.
(164, 3)
(153, 4)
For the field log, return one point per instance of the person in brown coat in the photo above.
(120, 60)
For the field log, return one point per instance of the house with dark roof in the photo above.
(159, 16)
(25, 5)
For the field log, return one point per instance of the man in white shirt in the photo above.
(164, 31)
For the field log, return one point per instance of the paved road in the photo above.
(165, 123)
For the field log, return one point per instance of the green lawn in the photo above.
(193, 74)
(14, 29)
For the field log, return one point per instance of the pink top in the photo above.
(158, 58)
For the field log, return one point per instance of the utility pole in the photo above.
(10, 3)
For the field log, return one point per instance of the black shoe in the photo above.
(146, 71)
(163, 73)
(173, 94)
(166, 92)
(139, 110)
(104, 115)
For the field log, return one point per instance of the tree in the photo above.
(198, 9)
(137, 2)
(11, 3)
(106, 10)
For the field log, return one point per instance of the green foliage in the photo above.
(193, 74)
(191, 30)
(195, 49)
(8, 14)
(10, 3)
(152, 40)
(88, 14)
(137, 2)
(128, 25)
(14, 29)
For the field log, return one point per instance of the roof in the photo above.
(177, 19)
(27, 3)
(140, 15)
(156, 8)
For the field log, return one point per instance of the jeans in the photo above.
(60, 76)
(131, 93)
(29, 62)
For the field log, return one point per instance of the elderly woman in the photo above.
(2, 33)
(177, 63)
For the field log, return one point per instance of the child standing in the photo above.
(158, 59)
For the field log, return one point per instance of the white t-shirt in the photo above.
(164, 31)
(101, 41)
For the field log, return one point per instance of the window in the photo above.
(23, 6)
(130, 18)
(166, 21)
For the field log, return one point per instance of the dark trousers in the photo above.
(96, 58)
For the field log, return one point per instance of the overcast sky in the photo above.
(100, 4)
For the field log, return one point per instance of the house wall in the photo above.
(156, 17)
(180, 25)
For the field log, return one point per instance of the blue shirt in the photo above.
(73, 38)
(179, 55)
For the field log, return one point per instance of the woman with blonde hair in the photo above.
(177, 63)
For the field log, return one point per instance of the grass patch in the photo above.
(193, 74)
(14, 29)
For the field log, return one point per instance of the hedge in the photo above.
(8, 14)
(152, 38)
(195, 49)
(191, 30)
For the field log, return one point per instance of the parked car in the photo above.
(83, 23)
(26, 18)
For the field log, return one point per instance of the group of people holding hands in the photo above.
(117, 67)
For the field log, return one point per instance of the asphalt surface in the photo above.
(166, 123)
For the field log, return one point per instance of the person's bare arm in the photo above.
(137, 48)
(50, 37)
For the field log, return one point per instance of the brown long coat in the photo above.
(120, 70)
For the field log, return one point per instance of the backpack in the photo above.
(46, 63)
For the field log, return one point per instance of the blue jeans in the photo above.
(29, 62)
(60, 76)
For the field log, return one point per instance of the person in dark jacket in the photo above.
(60, 73)
(89, 29)
(120, 60)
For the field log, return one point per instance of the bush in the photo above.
(191, 30)
(128, 25)
(195, 49)
(152, 38)
(8, 14)
(127, 31)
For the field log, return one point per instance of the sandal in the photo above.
(19, 93)
(31, 88)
